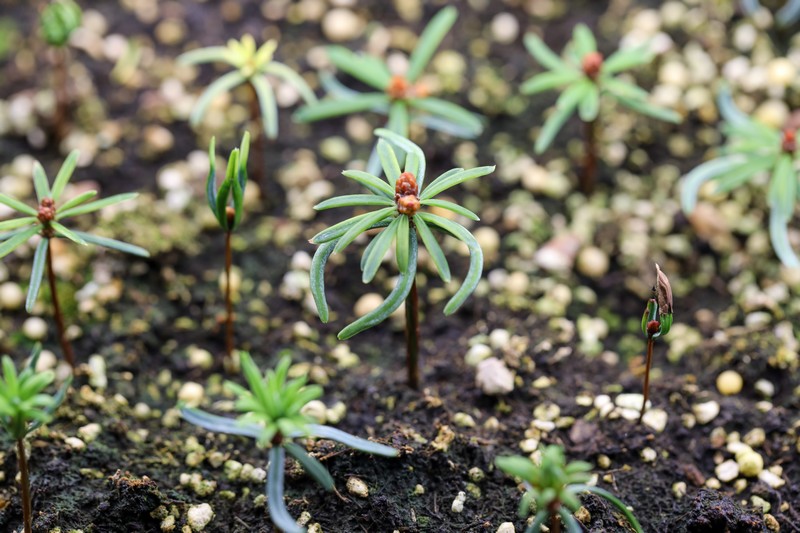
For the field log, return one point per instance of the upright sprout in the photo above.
(656, 321)
(57, 22)
(584, 76)
(403, 98)
(23, 408)
(45, 221)
(253, 66)
(400, 199)
(227, 204)
(272, 413)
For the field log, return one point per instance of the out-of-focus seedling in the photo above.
(752, 149)
(401, 97)
(554, 487)
(272, 414)
(656, 322)
(400, 200)
(252, 66)
(57, 22)
(227, 204)
(583, 76)
(23, 408)
(45, 220)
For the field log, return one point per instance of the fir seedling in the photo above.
(583, 76)
(554, 486)
(227, 204)
(253, 66)
(401, 97)
(272, 414)
(57, 22)
(46, 221)
(753, 149)
(656, 322)
(23, 408)
(400, 200)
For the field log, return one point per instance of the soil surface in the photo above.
(146, 317)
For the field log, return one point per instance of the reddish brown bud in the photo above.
(47, 210)
(230, 215)
(652, 327)
(789, 140)
(591, 64)
(407, 205)
(398, 88)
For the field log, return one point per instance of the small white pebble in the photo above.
(506, 527)
(649, 455)
(729, 383)
(35, 328)
(357, 487)
(705, 412)
(90, 432)
(199, 516)
(75, 444)
(458, 502)
(727, 471)
(191, 393)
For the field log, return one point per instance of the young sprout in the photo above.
(403, 98)
(554, 487)
(400, 199)
(23, 408)
(752, 149)
(227, 204)
(272, 414)
(45, 220)
(584, 76)
(57, 22)
(656, 321)
(252, 66)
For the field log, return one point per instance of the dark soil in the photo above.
(128, 479)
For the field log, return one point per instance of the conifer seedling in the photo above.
(45, 221)
(403, 215)
(227, 204)
(753, 149)
(253, 66)
(271, 410)
(23, 408)
(584, 76)
(554, 486)
(57, 22)
(656, 322)
(402, 98)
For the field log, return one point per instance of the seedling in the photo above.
(554, 486)
(57, 22)
(23, 408)
(272, 414)
(45, 221)
(252, 66)
(584, 76)
(227, 204)
(401, 97)
(400, 200)
(752, 149)
(656, 322)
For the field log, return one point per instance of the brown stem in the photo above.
(555, 520)
(257, 136)
(589, 171)
(412, 336)
(27, 508)
(60, 80)
(66, 347)
(228, 299)
(650, 342)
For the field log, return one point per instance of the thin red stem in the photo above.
(412, 336)
(27, 507)
(61, 331)
(646, 393)
(228, 299)
(589, 171)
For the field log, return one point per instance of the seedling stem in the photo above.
(24, 481)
